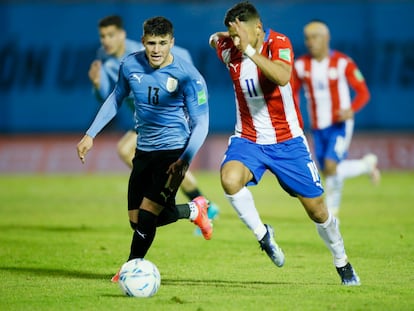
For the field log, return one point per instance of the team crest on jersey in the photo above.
(333, 74)
(172, 84)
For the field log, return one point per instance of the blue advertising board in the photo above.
(46, 49)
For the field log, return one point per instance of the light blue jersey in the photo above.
(110, 66)
(171, 104)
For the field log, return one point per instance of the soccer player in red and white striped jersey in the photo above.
(268, 133)
(327, 77)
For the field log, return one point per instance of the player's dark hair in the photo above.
(244, 11)
(158, 26)
(112, 20)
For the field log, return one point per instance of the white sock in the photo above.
(352, 168)
(330, 234)
(243, 203)
(193, 210)
(333, 193)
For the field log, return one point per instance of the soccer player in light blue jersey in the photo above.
(103, 74)
(171, 119)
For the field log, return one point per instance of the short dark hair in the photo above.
(112, 20)
(158, 26)
(244, 11)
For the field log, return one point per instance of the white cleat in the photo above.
(371, 160)
(269, 245)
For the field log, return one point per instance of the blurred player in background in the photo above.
(103, 74)
(171, 117)
(327, 76)
(268, 133)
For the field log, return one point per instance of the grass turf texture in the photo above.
(63, 237)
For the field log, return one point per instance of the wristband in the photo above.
(250, 51)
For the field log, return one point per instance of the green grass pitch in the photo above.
(63, 236)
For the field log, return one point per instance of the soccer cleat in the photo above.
(115, 278)
(268, 244)
(348, 275)
(371, 160)
(212, 213)
(202, 220)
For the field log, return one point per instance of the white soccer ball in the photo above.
(139, 278)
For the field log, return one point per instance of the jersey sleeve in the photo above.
(357, 82)
(196, 99)
(104, 86)
(281, 48)
(225, 49)
(110, 107)
(297, 81)
(104, 79)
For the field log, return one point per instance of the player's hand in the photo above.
(84, 146)
(241, 40)
(94, 73)
(177, 172)
(346, 114)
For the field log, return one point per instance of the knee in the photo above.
(133, 225)
(230, 182)
(330, 168)
(316, 209)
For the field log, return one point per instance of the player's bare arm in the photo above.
(84, 146)
(277, 71)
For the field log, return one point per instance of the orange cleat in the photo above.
(115, 278)
(202, 220)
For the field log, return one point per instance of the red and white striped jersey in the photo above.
(327, 87)
(266, 112)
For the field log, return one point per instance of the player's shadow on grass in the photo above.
(219, 283)
(47, 228)
(59, 273)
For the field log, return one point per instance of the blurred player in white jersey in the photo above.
(327, 76)
(103, 74)
(171, 118)
(268, 133)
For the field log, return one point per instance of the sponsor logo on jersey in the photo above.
(234, 66)
(201, 97)
(358, 75)
(137, 77)
(284, 54)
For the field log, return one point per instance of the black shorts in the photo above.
(149, 177)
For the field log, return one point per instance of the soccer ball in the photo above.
(139, 278)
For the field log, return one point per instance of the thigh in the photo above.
(148, 178)
(292, 164)
(249, 154)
